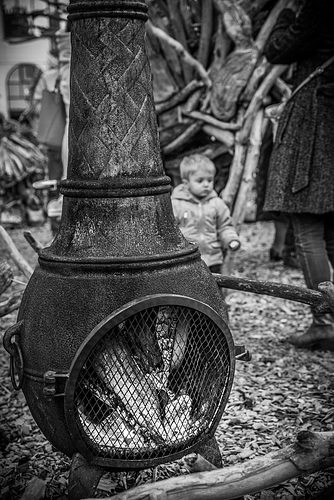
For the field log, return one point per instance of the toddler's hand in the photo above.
(234, 245)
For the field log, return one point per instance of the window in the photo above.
(20, 82)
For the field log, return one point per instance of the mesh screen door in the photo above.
(150, 382)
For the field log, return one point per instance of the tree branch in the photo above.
(181, 51)
(311, 452)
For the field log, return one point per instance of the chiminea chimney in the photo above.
(118, 261)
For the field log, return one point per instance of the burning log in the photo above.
(116, 369)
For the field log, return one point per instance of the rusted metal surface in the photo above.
(118, 240)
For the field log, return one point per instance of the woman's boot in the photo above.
(319, 336)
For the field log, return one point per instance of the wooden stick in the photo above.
(227, 266)
(268, 25)
(283, 88)
(182, 138)
(179, 35)
(311, 452)
(281, 290)
(163, 49)
(327, 290)
(257, 76)
(257, 100)
(237, 22)
(193, 102)
(203, 53)
(178, 98)
(206, 33)
(19, 260)
(221, 49)
(35, 244)
(252, 158)
(181, 51)
(236, 170)
(224, 136)
(206, 118)
(6, 276)
(11, 304)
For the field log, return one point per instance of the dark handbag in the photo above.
(52, 118)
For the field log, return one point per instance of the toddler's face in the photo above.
(200, 184)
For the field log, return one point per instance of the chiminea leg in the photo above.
(210, 451)
(84, 478)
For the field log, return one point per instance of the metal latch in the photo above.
(54, 384)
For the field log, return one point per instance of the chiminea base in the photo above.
(84, 478)
(210, 451)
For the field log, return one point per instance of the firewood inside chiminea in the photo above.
(150, 382)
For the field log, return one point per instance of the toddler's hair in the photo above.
(192, 163)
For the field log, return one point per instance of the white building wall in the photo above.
(11, 54)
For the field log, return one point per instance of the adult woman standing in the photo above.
(301, 171)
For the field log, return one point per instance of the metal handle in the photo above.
(16, 359)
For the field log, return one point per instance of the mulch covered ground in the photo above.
(280, 392)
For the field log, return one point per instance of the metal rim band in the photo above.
(84, 10)
(120, 188)
(118, 263)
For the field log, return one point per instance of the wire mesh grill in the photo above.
(152, 385)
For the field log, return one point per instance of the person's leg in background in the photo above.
(314, 240)
(277, 246)
(290, 258)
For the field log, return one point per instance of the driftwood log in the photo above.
(322, 302)
(312, 451)
(211, 83)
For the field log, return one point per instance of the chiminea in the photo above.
(122, 346)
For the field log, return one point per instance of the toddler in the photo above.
(202, 216)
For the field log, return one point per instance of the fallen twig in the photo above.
(6, 276)
(11, 304)
(311, 452)
(19, 260)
